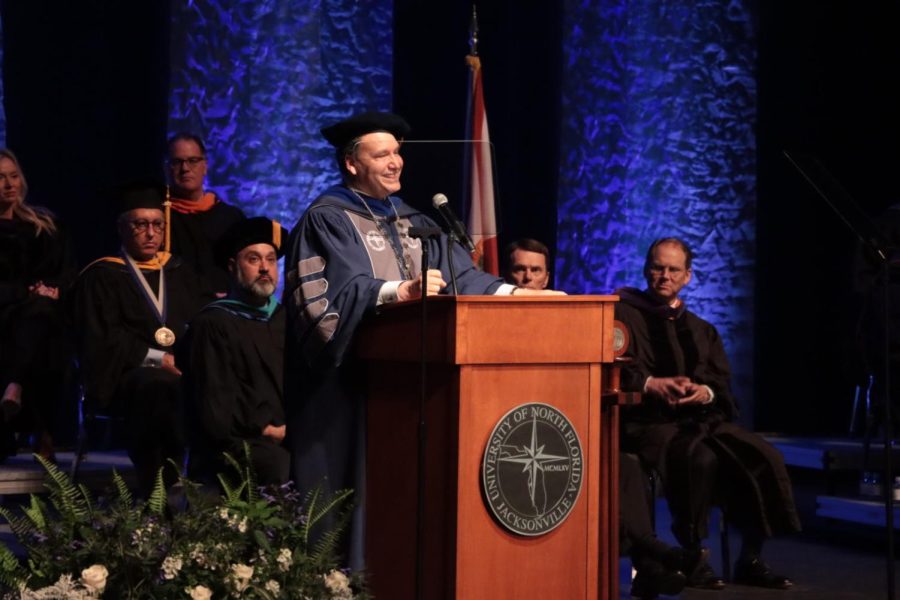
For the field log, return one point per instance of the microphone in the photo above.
(456, 227)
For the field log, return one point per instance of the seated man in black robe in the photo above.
(234, 360)
(660, 568)
(684, 428)
(198, 217)
(130, 312)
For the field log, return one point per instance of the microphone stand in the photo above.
(888, 430)
(423, 234)
(452, 239)
(873, 239)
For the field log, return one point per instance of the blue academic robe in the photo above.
(337, 261)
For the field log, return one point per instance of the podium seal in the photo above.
(532, 469)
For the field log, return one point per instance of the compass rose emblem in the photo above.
(532, 469)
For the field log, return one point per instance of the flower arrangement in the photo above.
(245, 543)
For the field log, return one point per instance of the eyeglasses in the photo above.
(141, 225)
(190, 163)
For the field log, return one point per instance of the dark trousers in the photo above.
(702, 464)
(152, 404)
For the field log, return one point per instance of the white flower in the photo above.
(94, 578)
(171, 566)
(285, 560)
(241, 575)
(199, 592)
(197, 555)
(242, 526)
(338, 584)
(272, 586)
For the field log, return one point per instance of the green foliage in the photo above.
(11, 572)
(246, 542)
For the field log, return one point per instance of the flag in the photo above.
(482, 220)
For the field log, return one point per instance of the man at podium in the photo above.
(350, 253)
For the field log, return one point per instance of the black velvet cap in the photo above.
(137, 194)
(342, 133)
(247, 232)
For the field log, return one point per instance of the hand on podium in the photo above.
(523, 291)
(412, 289)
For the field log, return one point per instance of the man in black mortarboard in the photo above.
(130, 313)
(348, 255)
(234, 359)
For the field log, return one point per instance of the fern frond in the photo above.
(21, 527)
(64, 496)
(11, 572)
(250, 475)
(36, 513)
(327, 544)
(312, 497)
(87, 498)
(316, 514)
(125, 498)
(232, 461)
(157, 499)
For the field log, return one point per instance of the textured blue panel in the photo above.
(659, 110)
(258, 78)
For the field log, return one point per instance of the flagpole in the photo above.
(473, 32)
(479, 176)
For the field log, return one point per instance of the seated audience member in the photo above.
(526, 265)
(130, 313)
(36, 267)
(660, 568)
(198, 217)
(684, 427)
(234, 359)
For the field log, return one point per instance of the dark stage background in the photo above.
(88, 92)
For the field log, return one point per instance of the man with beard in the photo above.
(130, 313)
(234, 356)
(198, 217)
(685, 427)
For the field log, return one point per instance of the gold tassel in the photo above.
(276, 234)
(168, 211)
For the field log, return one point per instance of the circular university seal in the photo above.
(375, 240)
(621, 338)
(532, 469)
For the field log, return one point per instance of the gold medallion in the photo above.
(164, 336)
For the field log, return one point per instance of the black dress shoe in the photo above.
(757, 573)
(653, 579)
(684, 559)
(703, 577)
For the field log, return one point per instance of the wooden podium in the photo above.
(487, 355)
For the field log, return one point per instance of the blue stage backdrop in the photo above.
(258, 78)
(659, 110)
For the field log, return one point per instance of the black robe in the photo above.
(233, 371)
(115, 327)
(34, 350)
(702, 455)
(337, 262)
(193, 238)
